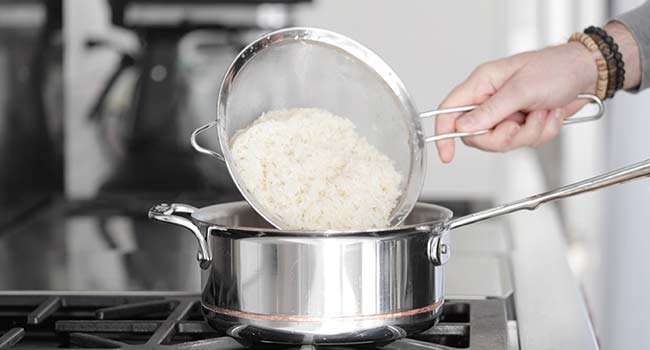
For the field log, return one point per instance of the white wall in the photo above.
(432, 46)
(628, 223)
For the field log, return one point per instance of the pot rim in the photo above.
(228, 208)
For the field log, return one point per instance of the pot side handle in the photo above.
(634, 171)
(168, 213)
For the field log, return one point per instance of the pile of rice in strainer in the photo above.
(312, 169)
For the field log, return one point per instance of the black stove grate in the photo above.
(174, 321)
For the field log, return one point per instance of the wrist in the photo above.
(585, 66)
(629, 48)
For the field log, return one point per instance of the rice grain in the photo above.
(312, 169)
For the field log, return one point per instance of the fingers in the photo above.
(512, 97)
(552, 127)
(538, 128)
(487, 86)
(481, 84)
(475, 141)
(555, 119)
(531, 131)
(572, 108)
(519, 130)
(497, 140)
(445, 124)
(464, 94)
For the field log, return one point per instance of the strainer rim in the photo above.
(356, 50)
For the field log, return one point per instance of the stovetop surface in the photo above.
(105, 244)
(174, 321)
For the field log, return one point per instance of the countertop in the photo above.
(551, 310)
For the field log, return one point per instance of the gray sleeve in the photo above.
(637, 21)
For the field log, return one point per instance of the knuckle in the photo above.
(507, 137)
(468, 142)
(482, 70)
(484, 143)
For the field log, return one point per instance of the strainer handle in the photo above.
(571, 120)
(200, 148)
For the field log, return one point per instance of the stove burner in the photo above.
(174, 321)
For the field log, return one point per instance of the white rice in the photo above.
(312, 169)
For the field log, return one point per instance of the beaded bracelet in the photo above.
(611, 64)
(613, 47)
(601, 64)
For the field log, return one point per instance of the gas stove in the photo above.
(99, 274)
(168, 320)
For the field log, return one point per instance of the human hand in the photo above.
(523, 98)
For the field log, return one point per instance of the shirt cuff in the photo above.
(637, 22)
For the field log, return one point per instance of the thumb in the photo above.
(506, 101)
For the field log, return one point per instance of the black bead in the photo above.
(608, 39)
(619, 64)
(614, 47)
(618, 56)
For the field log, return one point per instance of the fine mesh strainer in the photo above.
(308, 67)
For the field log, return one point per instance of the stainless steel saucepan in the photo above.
(333, 287)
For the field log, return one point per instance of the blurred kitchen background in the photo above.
(98, 98)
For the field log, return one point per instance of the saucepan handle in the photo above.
(634, 171)
(200, 148)
(438, 247)
(169, 213)
(571, 120)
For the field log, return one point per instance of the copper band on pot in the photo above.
(298, 318)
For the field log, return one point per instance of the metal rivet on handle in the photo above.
(439, 251)
(162, 207)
